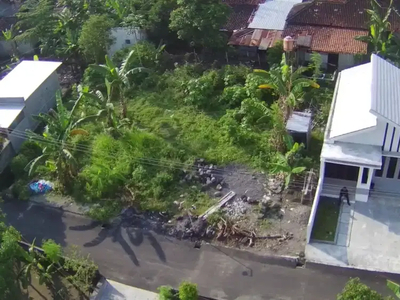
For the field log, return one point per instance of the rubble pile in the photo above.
(208, 175)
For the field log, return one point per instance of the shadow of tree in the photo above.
(157, 247)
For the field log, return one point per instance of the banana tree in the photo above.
(119, 76)
(286, 164)
(9, 35)
(55, 140)
(394, 287)
(378, 38)
(288, 84)
(103, 103)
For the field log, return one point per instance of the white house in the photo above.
(361, 147)
(28, 90)
(125, 37)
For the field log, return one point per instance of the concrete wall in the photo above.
(345, 61)
(314, 207)
(122, 35)
(39, 102)
(6, 156)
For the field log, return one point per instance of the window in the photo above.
(341, 172)
(128, 42)
(391, 167)
(364, 178)
(378, 173)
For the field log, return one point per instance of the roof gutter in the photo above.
(329, 123)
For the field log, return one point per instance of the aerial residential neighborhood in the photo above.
(200, 149)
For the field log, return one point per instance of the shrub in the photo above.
(29, 150)
(52, 250)
(188, 291)
(20, 190)
(274, 54)
(93, 79)
(165, 293)
(104, 212)
(355, 290)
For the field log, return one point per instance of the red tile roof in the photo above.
(349, 14)
(243, 2)
(329, 39)
(240, 16)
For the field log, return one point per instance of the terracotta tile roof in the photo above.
(336, 13)
(240, 16)
(328, 39)
(243, 2)
(261, 38)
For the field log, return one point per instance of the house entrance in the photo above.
(342, 172)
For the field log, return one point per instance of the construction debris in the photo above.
(217, 206)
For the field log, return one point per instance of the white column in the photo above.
(362, 190)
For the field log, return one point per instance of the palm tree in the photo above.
(286, 164)
(287, 83)
(60, 127)
(119, 77)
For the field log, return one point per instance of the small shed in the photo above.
(299, 127)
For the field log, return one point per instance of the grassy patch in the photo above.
(326, 220)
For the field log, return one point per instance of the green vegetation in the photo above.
(187, 291)
(326, 220)
(356, 290)
(60, 274)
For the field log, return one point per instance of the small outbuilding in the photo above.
(299, 127)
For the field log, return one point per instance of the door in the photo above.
(388, 177)
(333, 62)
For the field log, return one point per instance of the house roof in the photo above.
(341, 152)
(240, 16)
(117, 291)
(385, 90)
(8, 113)
(243, 2)
(353, 94)
(328, 39)
(299, 122)
(261, 38)
(349, 14)
(25, 78)
(272, 14)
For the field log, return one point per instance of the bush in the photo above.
(94, 80)
(165, 293)
(104, 212)
(52, 250)
(20, 190)
(355, 290)
(274, 54)
(28, 151)
(188, 291)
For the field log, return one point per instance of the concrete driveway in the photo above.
(368, 237)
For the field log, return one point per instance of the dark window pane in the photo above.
(378, 173)
(364, 178)
(392, 167)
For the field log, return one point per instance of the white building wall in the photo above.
(125, 37)
(42, 99)
(345, 61)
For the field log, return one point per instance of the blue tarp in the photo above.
(41, 187)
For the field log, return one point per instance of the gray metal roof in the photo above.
(272, 14)
(385, 90)
(299, 122)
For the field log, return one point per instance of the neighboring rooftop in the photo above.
(348, 14)
(272, 14)
(261, 38)
(240, 17)
(299, 122)
(327, 39)
(25, 78)
(352, 104)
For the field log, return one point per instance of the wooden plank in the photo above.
(218, 205)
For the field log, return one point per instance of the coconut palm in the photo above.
(60, 127)
(119, 77)
(287, 83)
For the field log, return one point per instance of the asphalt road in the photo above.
(146, 260)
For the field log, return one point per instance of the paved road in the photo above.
(148, 261)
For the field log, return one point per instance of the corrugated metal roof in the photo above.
(299, 122)
(272, 14)
(261, 38)
(385, 90)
